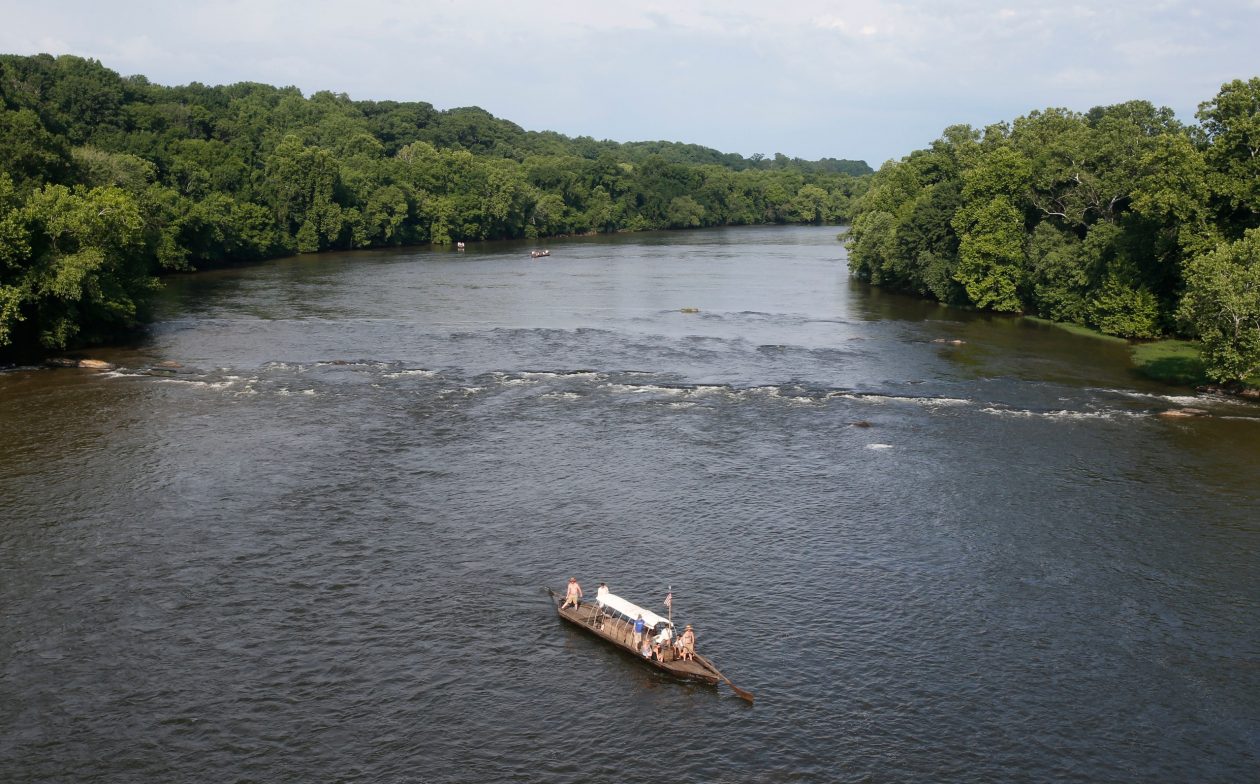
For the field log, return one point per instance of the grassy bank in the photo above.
(1076, 329)
(1170, 361)
(1173, 362)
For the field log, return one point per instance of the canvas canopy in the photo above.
(632, 611)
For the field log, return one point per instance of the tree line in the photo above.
(1121, 218)
(107, 181)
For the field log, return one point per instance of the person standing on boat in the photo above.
(687, 643)
(601, 596)
(573, 594)
(640, 626)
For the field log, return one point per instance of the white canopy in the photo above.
(633, 611)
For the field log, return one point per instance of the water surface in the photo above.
(316, 551)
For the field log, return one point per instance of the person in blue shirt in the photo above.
(640, 626)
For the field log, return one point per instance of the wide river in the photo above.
(937, 545)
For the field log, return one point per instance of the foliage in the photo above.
(1222, 305)
(197, 175)
(1112, 219)
(73, 264)
(1231, 123)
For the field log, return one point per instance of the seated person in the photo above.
(663, 639)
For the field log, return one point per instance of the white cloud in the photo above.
(841, 78)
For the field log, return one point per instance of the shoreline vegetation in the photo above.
(107, 182)
(1121, 220)
(1172, 361)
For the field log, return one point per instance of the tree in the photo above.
(1060, 272)
(87, 275)
(15, 249)
(1222, 305)
(990, 255)
(302, 183)
(1122, 309)
(29, 153)
(684, 213)
(810, 205)
(1231, 122)
(991, 230)
(872, 246)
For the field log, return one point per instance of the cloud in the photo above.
(842, 78)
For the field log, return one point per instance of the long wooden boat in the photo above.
(613, 627)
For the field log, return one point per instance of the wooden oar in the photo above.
(738, 691)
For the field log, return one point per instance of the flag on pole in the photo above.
(669, 599)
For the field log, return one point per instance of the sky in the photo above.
(870, 80)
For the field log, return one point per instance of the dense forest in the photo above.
(107, 181)
(1122, 219)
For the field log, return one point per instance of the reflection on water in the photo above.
(317, 550)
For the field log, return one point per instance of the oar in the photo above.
(738, 691)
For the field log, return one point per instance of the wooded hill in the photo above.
(1121, 218)
(105, 181)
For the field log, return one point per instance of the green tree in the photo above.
(811, 205)
(1231, 122)
(1122, 309)
(1060, 274)
(15, 249)
(990, 255)
(301, 183)
(1222, 305)
(29, 153)
(87, 276)
(684, 213)
(990, 228)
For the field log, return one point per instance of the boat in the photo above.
(538, 254)
(612, 619)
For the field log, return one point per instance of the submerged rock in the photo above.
(1180, 413)
(1234, 389)
(71, 362)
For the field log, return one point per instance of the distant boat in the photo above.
(613, 622)
(535, 254)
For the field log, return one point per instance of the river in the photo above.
(937, 545)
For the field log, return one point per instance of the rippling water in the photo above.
(316, 551)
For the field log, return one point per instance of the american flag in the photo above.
(669, 599)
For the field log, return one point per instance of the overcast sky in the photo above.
(870, 80)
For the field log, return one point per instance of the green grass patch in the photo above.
(1170, 361)
(1076, 329)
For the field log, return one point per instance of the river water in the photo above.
(316, 551)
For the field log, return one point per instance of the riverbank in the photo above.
(1170, 361)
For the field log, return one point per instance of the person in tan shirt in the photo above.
(687, 644)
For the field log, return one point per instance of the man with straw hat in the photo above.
(687, 643)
